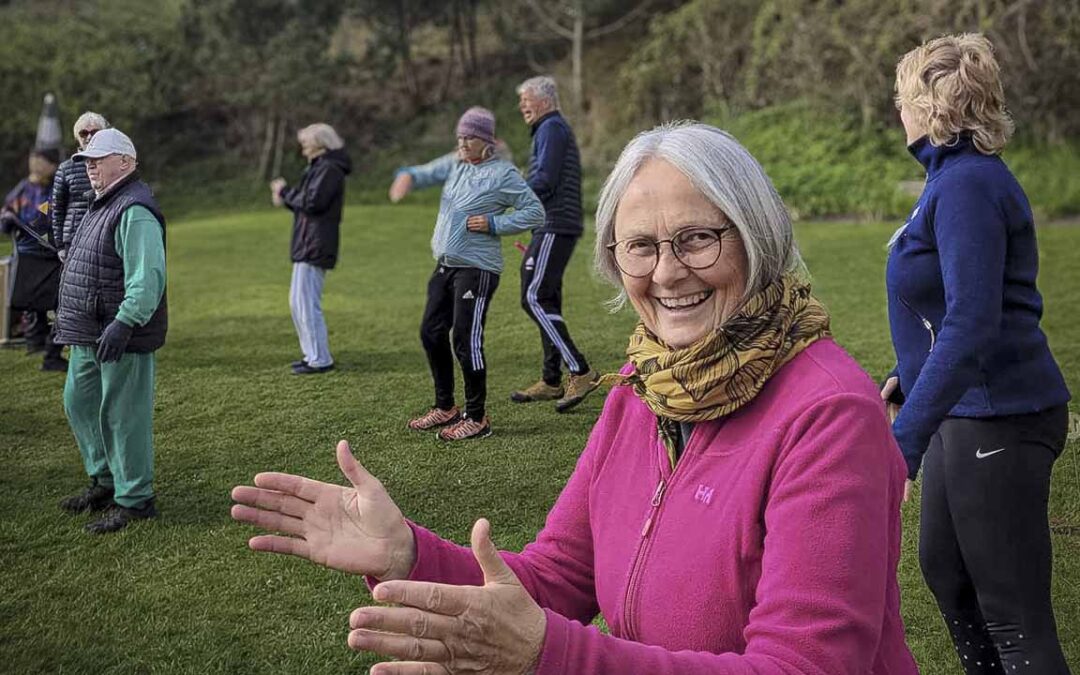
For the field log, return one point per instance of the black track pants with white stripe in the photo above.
(984, 539)
(458, 300)
(541, 298)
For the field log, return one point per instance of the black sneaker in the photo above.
(54, 365)
(118, 517)
(94, 498)
(297, 364)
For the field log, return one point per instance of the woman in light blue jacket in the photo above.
(478, 188)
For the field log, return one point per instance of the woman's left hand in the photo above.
(497, 628)
(478, 224)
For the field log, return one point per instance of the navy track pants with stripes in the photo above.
(457, 301)
(541, 298)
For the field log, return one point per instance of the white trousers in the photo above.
(305, 301)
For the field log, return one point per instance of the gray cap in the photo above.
(107, 142)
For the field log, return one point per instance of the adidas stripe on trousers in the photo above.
(457, 305)
(541, 298)
(984, 539)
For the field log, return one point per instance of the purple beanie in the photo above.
(478, 122)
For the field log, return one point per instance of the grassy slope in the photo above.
(184, 594)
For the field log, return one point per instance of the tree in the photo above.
(570, 23)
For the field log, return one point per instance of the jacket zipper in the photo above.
(925, 322)
(643, 545)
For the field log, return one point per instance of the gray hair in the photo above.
(543, 88)
(322, 135)
(728, 176)
(90, 119)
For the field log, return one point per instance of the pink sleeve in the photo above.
(821, 599)
(557, 568)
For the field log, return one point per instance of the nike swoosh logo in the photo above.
(979, 454)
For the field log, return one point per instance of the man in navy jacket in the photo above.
(555, 176)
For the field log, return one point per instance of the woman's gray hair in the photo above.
(543, 88)
(728, 176)
(90, 119)
(322, 135)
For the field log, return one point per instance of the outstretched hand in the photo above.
(357, 529)
(401, 186)
(495, 629)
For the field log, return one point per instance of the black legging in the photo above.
(458, 299)
(984, 540)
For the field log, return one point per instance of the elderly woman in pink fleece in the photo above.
(736, 508)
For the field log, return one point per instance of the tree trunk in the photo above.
(279, 149)
(578, 47)
(267, 148)
(470, 34)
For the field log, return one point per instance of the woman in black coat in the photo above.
(316, 205)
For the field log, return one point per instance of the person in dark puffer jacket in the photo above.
(71, 190)
(114, 315)
(316, 205)
(555, 176)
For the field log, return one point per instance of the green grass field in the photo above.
(184, 594)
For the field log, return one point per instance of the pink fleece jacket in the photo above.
(771, 548)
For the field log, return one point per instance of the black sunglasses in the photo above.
(87, 133)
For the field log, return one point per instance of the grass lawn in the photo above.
(184, 594)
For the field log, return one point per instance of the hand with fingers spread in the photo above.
(495, 629)
(356, 529)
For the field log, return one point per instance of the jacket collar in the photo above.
(935, 158)
(537, 123)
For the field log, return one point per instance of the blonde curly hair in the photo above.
(952, 84)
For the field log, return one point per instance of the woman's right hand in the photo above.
(891, 409)
(356, 529)
(401, 186)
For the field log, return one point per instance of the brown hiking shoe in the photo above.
(540, 391)
(577, 388)
(466, 428)
(436, 417)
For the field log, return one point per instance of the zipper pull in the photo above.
(659, 494)
(930, 328)
(647, 527)
(656, 498)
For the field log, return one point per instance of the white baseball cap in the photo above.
(107, 142)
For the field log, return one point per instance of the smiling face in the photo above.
(678, 304)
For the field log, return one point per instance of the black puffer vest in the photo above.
(92, 283)
(70, 197)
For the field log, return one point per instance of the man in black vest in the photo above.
(114, 315)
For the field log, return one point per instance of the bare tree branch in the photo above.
(620, 22)
(1021, 34)
(551, 24)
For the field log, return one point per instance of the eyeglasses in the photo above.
(87, 133)
(695, 247)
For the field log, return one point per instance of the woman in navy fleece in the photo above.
(978, 400)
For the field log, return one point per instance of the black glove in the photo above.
(7, 222)
(113, 341)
